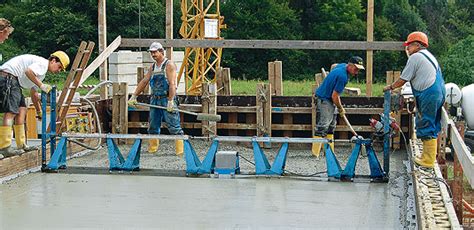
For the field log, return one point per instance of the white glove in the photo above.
(132, 101)
(170, 107)
(354, 138)
(45, 88)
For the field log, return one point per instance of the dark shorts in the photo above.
(11, 97)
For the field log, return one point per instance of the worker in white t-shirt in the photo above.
(23, 72)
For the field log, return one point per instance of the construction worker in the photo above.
(424, 74)
(162, 78)
(24, 71)
(6, 29)
(328, 99)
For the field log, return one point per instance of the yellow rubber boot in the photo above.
(428, 156)
(331, 144)
(179, 147)
(316, 148)
(153, 145)
(20, 138)
(5, 136)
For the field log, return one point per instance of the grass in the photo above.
(297, 88)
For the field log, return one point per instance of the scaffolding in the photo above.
(201, 19)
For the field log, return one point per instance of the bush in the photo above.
(457, 63)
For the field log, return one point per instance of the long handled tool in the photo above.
(349, 124)
(199, 116)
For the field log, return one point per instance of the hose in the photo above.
(96, 115)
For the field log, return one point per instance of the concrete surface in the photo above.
(62, 201)
(88, 201)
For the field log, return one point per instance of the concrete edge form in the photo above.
(435, 209)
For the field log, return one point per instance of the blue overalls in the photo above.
(429, 103)
(159, 96)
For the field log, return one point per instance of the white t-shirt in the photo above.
(18, 65)
(419, 71)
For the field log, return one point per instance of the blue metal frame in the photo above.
(333, 167)
(52, 134)
(386, 131)
(262, 167)
(194, 165)
(58, 159)
(116, 160)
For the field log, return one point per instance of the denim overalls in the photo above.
(159, 96)
(429, 103)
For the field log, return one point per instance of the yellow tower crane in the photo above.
(201, 19)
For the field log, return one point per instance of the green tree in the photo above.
(457, 63)
(261, 19)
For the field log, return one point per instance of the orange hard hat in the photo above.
(417, 36)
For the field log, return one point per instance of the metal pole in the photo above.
(126, 136)
(386, 131)
(43, 130)
(52, 134)
(271, 139)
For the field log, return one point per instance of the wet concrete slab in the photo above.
(67, 201)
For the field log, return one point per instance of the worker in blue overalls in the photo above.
(162, 79)
(424, 74)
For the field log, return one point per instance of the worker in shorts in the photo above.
(23, 72)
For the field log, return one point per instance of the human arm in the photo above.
(399, 83)
(33, 78)
(141, 86)
(171, 76)
(36, 102)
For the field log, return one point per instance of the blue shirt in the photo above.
(335, 81)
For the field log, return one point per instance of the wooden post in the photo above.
(457, 188)
(227, 81)
(140, 76)
(271, 75)
(313, 111)
(389, 78)
(120, 108)
(102, 30)
(318, 78)
(278, 79)
(209, 105)
(169, 27)
(264, 111)
(370, 38)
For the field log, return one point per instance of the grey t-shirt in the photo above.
(419, 71)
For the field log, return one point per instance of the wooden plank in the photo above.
(102, 30)
(313, 110)
(268, 44)
(140, 76)
(219, 81)
(287, 119)
(370, 52)
(169, 27)
(278, 79)
(227, 81)
(260, 100)
(462, 153)
(100, 59)
(389, 77)
(232, 119)
(271, 74)
(318, 78)
(251, 119)
(31, 128)
(209, 102)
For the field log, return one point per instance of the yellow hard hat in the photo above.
(63, 58)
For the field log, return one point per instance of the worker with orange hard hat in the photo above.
(25, 71)
(424, 74)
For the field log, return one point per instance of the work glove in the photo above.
(358, 137)
(39, 115)
(341, 111)
(170, 107)
(45, 88)
(132, 101)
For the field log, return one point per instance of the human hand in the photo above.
(46, 88)
(39, 114)
(358, 137)
(341, 111)
(387, 88)
(132, 101)
(170, 107)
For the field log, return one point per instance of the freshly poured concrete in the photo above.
(67, 201)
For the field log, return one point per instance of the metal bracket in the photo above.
(262, 167)
(117, 161)
(194, 165)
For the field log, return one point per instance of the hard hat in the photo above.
(63, 58)
(417, 36)
(155, 46)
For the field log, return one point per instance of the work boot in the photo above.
(153, 145)
(179, 147)
(316, 147)
(331, 138)
(5, 142)
(20, 138)
(428, 156)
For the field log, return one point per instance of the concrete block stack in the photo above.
(123, 67)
